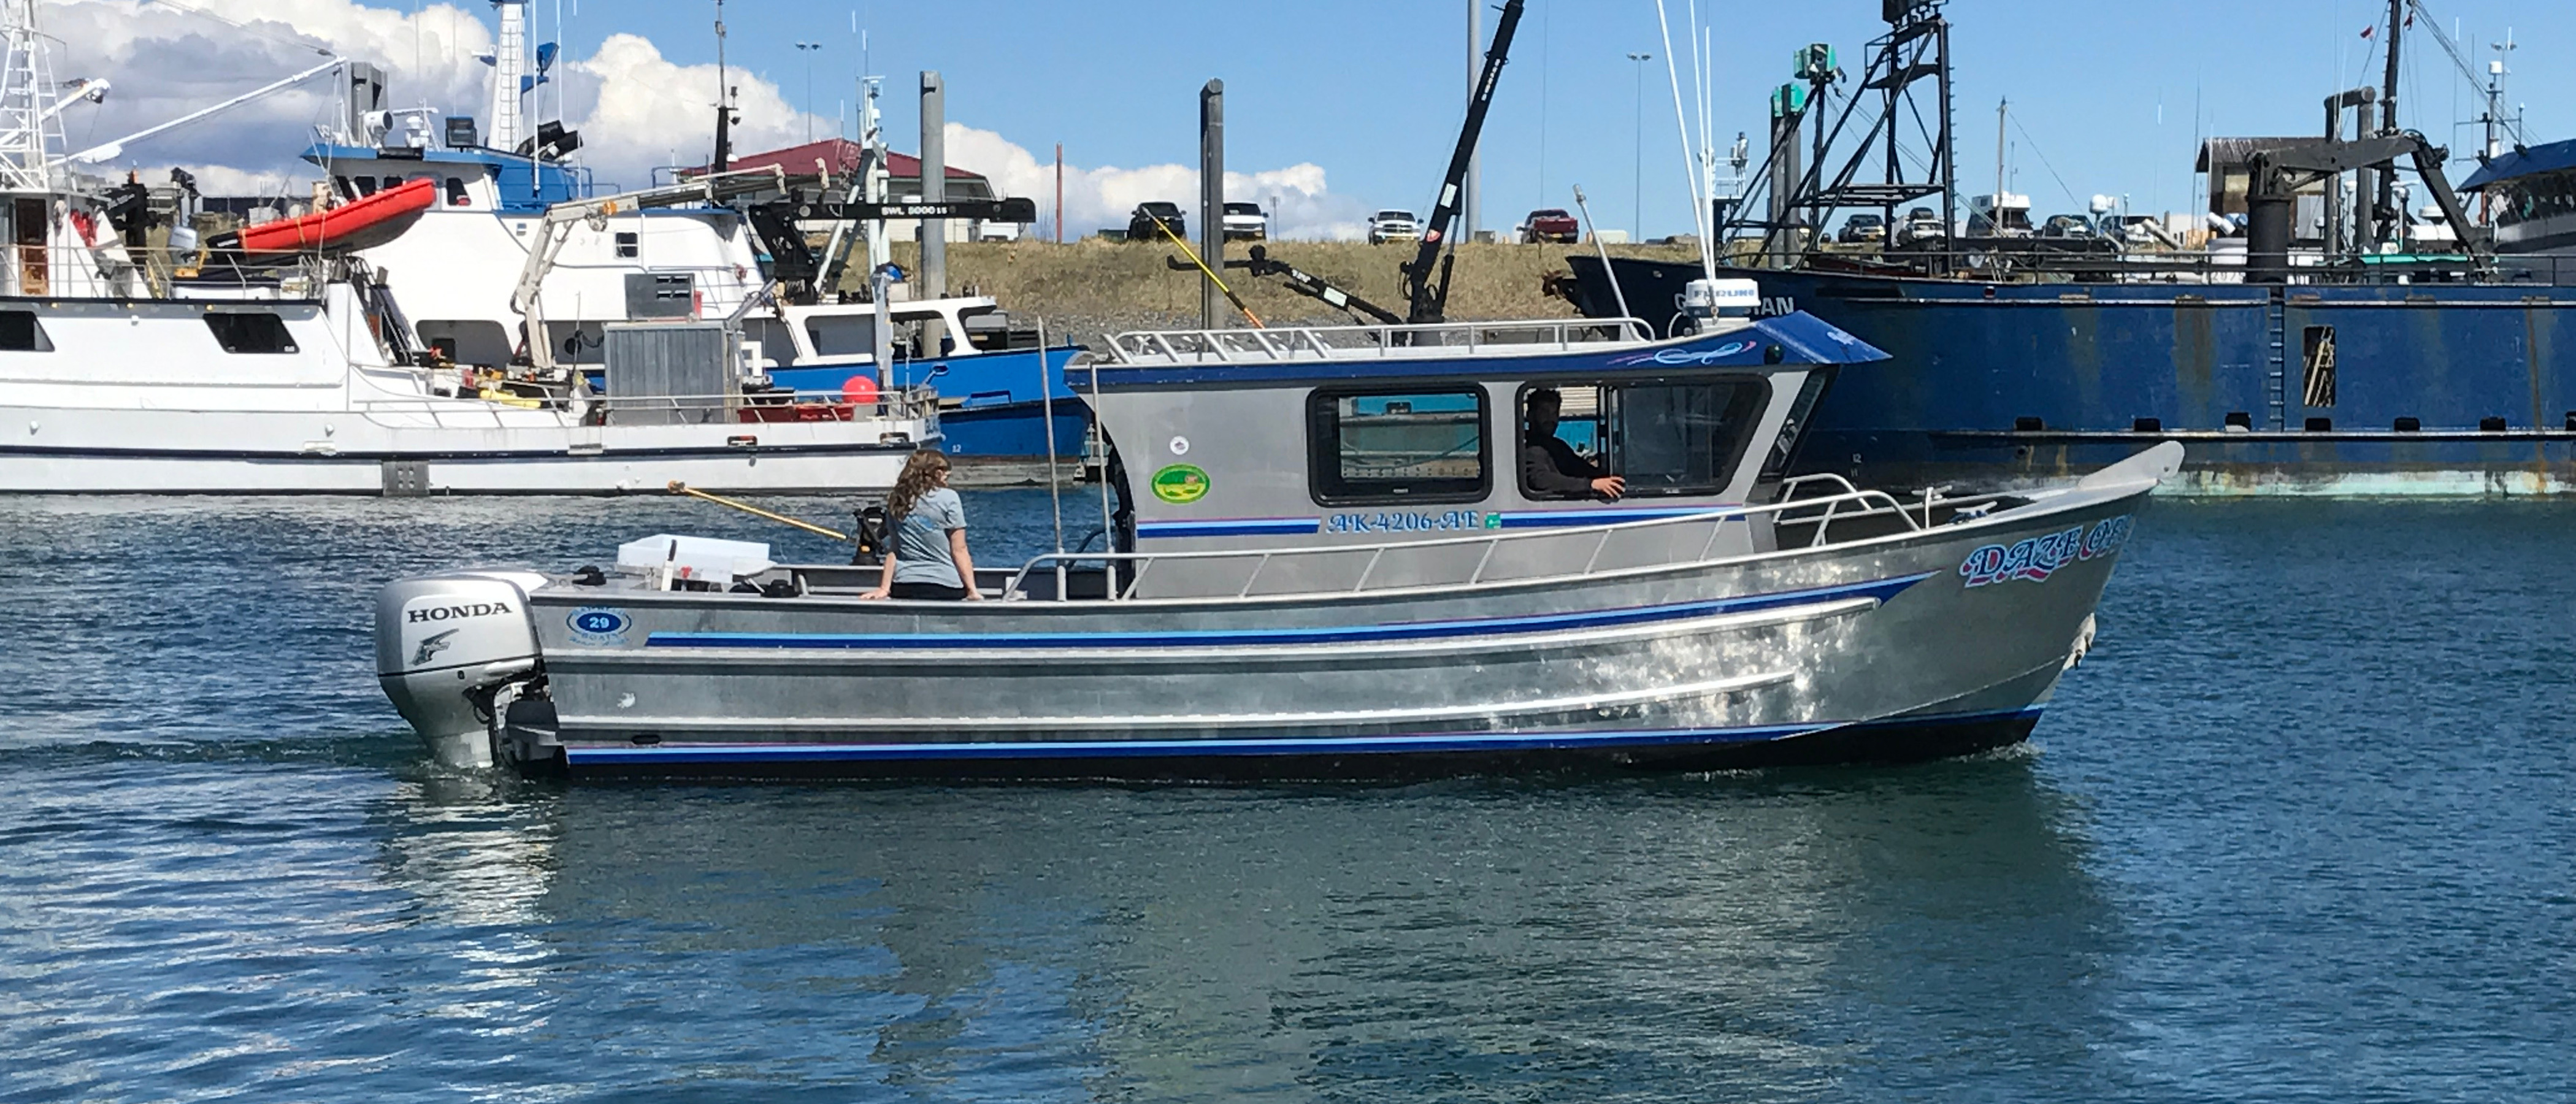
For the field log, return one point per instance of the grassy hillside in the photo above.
(1091, 287)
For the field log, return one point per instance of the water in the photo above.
(2299, 829)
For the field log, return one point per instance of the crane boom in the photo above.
(1430, 298)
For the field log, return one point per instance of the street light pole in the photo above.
(807, 49)
(1637, 169)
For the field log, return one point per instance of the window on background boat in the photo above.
(456, 194)
(250, 332)
(777, 341)
(1385, 447)
(842, 335)
(1664, 437)
(348, 190)
(21, 333)
(473, 341)
(629, 243)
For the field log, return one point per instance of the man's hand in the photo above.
(1610, 486)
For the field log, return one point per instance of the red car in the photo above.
(1551, 225)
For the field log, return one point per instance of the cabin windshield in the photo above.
(1663, 437)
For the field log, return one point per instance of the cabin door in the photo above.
(28, 227)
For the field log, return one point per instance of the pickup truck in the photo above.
(1392, 225)
(1140, 225)
(1246, 222)
(1550, 225)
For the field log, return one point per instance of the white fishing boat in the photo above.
(301, 373)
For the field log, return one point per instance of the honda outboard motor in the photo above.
(446, 645)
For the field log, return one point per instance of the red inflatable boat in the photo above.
(362, 223)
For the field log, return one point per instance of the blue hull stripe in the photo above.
(1439, 743)
(1881, 590)
(1544, 519)
(1234, 527)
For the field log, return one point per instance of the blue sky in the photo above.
(2106, 97)
(1374, 91)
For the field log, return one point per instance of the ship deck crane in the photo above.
(555, 228)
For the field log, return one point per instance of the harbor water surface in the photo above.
(2302, 827)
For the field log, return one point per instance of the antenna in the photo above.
(724, 99)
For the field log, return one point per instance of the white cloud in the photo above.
(636, 109)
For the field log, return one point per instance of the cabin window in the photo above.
(472, 341)
(456, 194)
(1793, 430)
(842, 335)
(21, 333)
(1662, 437)
(629, 243)
(777, 340)
(248, 332)
(1397, 446)
(348, 190)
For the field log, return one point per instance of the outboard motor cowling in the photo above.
(445, 644)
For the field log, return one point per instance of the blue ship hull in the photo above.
(992, 405)
(2434, 388)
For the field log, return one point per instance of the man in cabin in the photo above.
(1551, 467)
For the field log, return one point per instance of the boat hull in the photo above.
(993, 404)
(1886, 649)
(58, 451)
(2434, 389)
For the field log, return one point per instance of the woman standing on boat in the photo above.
(928, 557)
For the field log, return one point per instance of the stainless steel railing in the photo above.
(1337, 342)
(1849, 506)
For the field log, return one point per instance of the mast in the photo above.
(2386, 198)
(28, 132)
(509, 67)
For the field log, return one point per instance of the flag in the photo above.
(2365, 31)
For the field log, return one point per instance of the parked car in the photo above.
(1391, 225)
(1246, 222)
(1140, 225)
(987, 230)
(1550, 225)
(2066, 226)
(1863, 228)
(1921, 225)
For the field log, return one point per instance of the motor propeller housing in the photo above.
(445, 644)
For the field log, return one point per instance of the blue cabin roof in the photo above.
(2523, 161)
(526, 187)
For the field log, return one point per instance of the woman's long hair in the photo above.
(920, 475)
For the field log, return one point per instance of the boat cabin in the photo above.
(1242, 445)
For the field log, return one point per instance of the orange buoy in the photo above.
(859, 389)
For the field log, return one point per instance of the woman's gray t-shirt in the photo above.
(921, 545)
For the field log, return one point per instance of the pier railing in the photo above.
(468, 409)
(1846, 506)
(1344, 342)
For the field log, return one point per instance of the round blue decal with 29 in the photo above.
(598, 622)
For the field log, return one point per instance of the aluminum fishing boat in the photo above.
(1329, 563)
